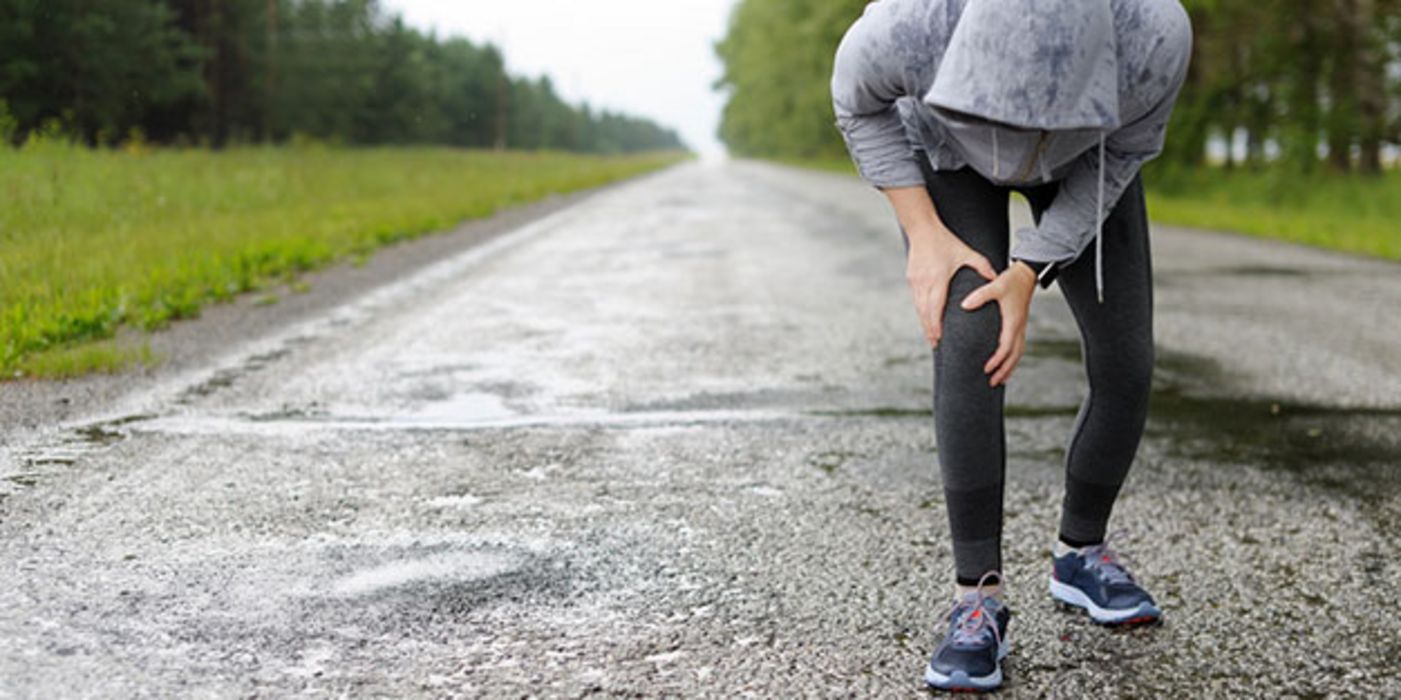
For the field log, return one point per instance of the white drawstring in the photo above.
(995, 160)
(1099, 226)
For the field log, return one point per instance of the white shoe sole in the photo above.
(959, 680)
(1071, 595)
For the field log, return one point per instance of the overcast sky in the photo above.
(651, 58)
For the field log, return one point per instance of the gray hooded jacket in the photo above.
(1022, 91)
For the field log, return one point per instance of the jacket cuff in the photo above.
(1045, 271)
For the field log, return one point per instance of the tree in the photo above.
(101, 68)
(1288, 77)
(221, 71)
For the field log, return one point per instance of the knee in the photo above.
(969, 337)
(978, 325)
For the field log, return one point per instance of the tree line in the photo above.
(1300, 85)
(215, 72)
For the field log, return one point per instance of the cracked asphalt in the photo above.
(674, 440)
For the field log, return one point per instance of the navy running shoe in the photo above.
(970, 657)
(1094, 579)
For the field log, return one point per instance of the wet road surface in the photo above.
(675, 439)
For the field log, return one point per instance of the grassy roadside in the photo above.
(1346, 213)
(94, 241)
(1350, 214)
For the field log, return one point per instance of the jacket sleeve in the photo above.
(867, 80)
(1067, 226)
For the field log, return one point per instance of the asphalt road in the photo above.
(674, 439)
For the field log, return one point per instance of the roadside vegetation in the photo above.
(222, 73)
(159, 155)
(1326, 210)
(1282, 129)
(92, 241)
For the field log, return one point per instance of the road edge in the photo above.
(32, 404)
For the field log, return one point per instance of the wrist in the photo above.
(1045, 272)
(929, 241)
(1024, 271)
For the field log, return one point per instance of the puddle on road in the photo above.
(1260, 271)
(1177, 278)
(467, 407)
(1352, 450)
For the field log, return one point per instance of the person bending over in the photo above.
(947, 106)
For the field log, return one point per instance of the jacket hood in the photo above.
(1032, 64)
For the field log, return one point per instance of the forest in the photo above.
(1297, 86)
(221, 72)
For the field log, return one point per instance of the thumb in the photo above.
(983, 267)
(976, 298)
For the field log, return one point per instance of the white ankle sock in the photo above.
(1061, 549)
(988, 591)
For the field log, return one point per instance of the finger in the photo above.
(1005, 340)
(1004, 347)
(979, 296)
(935, 312)
(1009, 364)
(1005, 372)
(982, 266)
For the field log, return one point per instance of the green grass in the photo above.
(107, 355)
(841, 165)
(95, 240)
(1348, 213)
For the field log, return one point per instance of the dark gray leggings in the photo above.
(1116, 342)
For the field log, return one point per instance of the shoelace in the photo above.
(972, 623)
(1108, 564)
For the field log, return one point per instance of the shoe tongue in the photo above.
(971, 628)
(1111, 571)
(971, 622)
